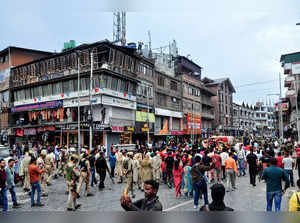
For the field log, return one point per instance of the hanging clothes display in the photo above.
(46, 115)
(29, 116)
(61, 115)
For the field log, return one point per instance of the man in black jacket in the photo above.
(149, 203)
(101, 168)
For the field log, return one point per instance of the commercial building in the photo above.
(45, 95)
(244, 119)
(9, 58)
(223, 104)
(265, 119)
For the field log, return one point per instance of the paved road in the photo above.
(245, 198)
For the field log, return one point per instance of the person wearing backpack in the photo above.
(295, 199)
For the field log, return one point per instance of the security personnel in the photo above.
(25, 164)
(128, 170)
(41, 165)
(156, 163)
(49, 168)
(85, 173)
(72, 175)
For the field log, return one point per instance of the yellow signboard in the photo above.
(143, 117)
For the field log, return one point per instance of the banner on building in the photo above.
(143, 117)
(4, 79)
(44, 105)
(194, 124)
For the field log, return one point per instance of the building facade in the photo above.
(244, 119)
(223, 104)
(45, 96)
(265, 119)
(9, 58)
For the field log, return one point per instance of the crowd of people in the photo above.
(188, 168)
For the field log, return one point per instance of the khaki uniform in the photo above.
(26, 162)
(84, 175)
(41, 165)
(119, 167)
(129, 175)
(146, 170)
(49, 168)
(156, 163)
(72, 174)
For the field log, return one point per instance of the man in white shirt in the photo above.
(288, 164)
(224, 156)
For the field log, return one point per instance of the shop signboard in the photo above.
(50, 76)
(194, 125)
(169, 113)
(129, 129)
(143, 117)
(29, 132)
(177, 133)
(43, 105)
(117, 128)
(118, 102)
(83, 102)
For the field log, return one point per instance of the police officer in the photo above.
(85, 173)
(72, 175)
(49, 164)
(25, 165)
(41, 165)
(128, 170)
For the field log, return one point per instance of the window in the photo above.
(67, 86)
(173, 85)
(114, 84)
(57, 88)
(161, 81)
(28, 94)
(190, 91)
(45, 90)
(37, 91)
(75, 84)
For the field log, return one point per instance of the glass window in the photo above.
(83, 84)
(57, 88)
(75, 84)
(28, 93)
(87, 83)
(114, 84)
(122, 86)
(36, 92)
(45, 90)
(66, 86)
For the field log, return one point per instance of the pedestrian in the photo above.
(231, 172)
(112, 163)
(295, 199)
(72, 176)
(41, 165)
(218, 165)
(241, 161)
(288, 166)
(177, 176)
(187, 181)
(35, 178)
(10, 180)
(297, 166)
(49, 165)
(119, 165)
(92, 160)
(252, 162)
(224, 156)
(279, 160)
(3, 186)
(149, 203)
(274, 176)
(169, 160)
(101, 168)
(25, 165)
(217, 195)
(199, 180)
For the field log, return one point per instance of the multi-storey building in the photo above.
(244, 119)
(45, 95)
(290, 63)
(222, 103)
(265, 119)
(9, 58)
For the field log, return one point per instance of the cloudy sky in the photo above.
(242, 40)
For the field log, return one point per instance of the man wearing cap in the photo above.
(129, 173)
(25, 164)
(41, 165)
(85, 172)
(72, 175)
(49, 164)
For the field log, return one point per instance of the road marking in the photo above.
(179, 205)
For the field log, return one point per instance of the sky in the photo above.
(242, 40)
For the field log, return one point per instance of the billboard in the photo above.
(4, 79)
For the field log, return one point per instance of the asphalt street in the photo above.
(245, 198)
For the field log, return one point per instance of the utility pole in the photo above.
(90, 115)
(297, 113)
(148, 133)
(78, 106)
(281, 121)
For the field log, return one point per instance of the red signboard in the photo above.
(194, 125)
(177, 133)
(117, 128)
